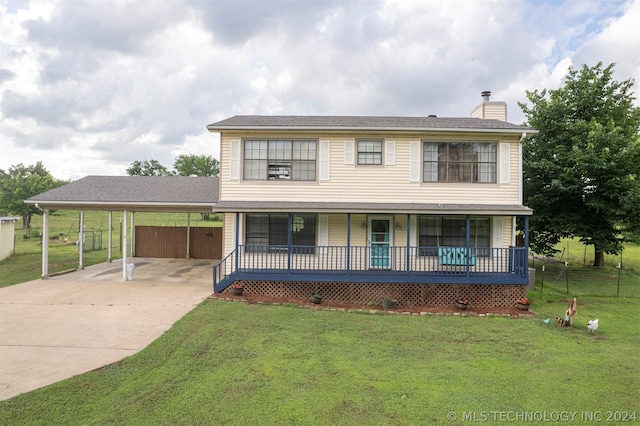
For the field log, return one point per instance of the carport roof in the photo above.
(135, 193)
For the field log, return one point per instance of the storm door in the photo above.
(380, 243)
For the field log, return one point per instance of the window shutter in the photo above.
(349, 157)
(234, 167)
(505, 163)
(323, 233)
(324, 160)
(390, 153)
(414, 174)
(497, 233)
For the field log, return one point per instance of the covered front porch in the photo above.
(382, 261)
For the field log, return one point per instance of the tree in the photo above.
(148, 168)
(581, 170)
(20, 182)
(199, 165)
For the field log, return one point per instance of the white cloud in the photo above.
(89, 87)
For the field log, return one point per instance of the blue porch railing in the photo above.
(383, 264)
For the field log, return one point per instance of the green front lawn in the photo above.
(232, 363)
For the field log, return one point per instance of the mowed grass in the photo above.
(233, 363)
(26, 263)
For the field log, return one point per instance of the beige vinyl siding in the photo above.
(491, 110)
(229, 233)
(501, 237)
(350, 182)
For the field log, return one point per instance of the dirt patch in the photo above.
(410, 310)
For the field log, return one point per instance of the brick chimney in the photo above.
(490, 110)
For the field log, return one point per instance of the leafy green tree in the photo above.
(20, 182)
(581, 170)
(148, 168)
(199, 165)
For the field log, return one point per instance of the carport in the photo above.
(129, 194)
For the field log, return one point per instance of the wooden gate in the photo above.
(171, 242)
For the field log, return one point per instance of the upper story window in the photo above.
(280, 160)
(470, 162)
(370, 152)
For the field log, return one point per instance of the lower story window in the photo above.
(270, 233)
(451, 231)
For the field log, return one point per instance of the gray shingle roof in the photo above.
(240, 122)
(136, 192)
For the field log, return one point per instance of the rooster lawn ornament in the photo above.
(569, 313)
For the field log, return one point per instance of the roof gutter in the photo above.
(117, 203)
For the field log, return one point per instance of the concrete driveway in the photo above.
(54, 329)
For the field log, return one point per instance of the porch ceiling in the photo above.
(368, 208)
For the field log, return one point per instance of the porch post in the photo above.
(109, 239)
(45, 244)
(81, 241)
(407, 256)
(468, 244)
(124, 245)
(289, 238)
(237, 239)
(526, 244)
(348, 243)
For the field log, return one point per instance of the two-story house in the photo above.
(423, 209)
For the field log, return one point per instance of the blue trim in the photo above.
(348, 241)
(289, 239)
(381, 277)
(467, 243)
(237, 238)
(408, 260)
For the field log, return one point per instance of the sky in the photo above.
(87, 87)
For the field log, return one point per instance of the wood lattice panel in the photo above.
(480, 295)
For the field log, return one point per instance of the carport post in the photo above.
(109, 237)
(81, 241)
(45, 244)
(124, 246)
(132, 233)
(188, 234)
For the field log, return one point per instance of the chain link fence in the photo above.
(554, 275)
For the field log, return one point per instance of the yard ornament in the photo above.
(569, 313)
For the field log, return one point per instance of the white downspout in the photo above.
(520, 187)
(520, 181)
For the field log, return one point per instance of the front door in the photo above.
(380, 243)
